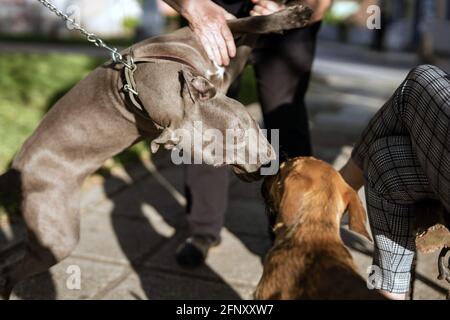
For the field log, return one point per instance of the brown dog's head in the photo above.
(309, 191)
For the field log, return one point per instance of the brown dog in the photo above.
(309, 259)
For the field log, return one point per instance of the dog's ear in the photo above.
(198, 87)
(168, 139)
(357, 214)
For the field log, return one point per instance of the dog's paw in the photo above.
(296, 16)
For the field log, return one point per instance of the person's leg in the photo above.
(283, 70)
(206, 190)
(420, 110)
(395, 185)
(207, 194)
(394, 248)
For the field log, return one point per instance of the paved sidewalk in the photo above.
(133, 220)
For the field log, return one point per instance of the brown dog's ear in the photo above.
(357, 215)
(199, 88)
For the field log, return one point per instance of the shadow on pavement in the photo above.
(160, 213)
(13, 235)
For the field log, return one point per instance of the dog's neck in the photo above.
(314, 239)
(314, 228)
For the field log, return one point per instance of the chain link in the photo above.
(91, 37)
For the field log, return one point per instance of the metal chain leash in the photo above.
(91, 37)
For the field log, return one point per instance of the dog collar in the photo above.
(129, 83)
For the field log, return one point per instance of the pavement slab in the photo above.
(53, 284)
(237, 260)
(107, 237)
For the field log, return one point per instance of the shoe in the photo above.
(193, 251)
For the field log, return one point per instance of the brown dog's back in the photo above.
(293, 273)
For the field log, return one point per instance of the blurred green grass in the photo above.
(248, 93)
(31, 83)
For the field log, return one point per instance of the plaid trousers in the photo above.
(404, 153)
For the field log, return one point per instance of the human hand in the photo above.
(265, 7)
(208, 21)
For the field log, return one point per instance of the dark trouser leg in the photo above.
(207, 187)
(207, 193)
(283, 71)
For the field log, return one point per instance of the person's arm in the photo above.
(265, 7)
(208, 21)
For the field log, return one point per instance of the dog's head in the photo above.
(309, 191)
(201, 123)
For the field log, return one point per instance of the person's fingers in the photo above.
(266, 7)
(218, 43)
(229, 16)
(223, 50)
(260, 10)
(209, 23)
(257, 10)
(255, 13)
(271, 5)
(229, 40)
(207, 46)
(215, 49)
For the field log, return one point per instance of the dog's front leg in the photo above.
(251, 27)
(86, 126)
(293, 17)
(49, 202)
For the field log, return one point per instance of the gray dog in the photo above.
(173, 85)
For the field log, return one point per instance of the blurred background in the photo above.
(133, 207)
